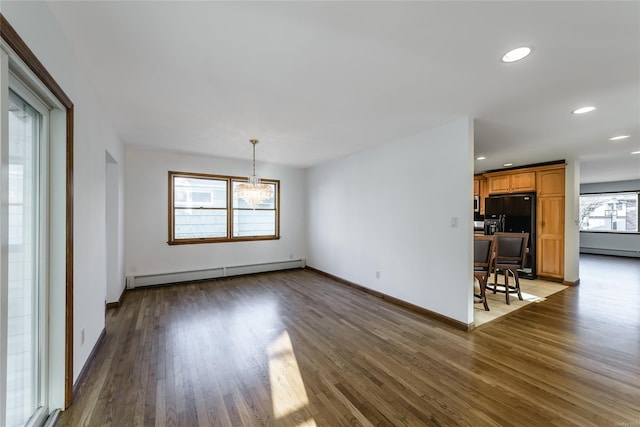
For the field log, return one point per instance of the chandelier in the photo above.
(254, 192)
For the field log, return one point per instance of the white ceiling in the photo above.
(319, 80)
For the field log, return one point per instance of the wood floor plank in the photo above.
(296, 348)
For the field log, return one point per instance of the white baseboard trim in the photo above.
(210, 273)
(612, 252)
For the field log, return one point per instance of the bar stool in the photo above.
(483, 253)
(511, 250)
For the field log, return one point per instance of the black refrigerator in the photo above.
(514, 213)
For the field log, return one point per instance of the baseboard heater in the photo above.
(210, 273)
(613, 252)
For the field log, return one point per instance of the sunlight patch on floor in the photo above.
(531, 298)
(288, 394)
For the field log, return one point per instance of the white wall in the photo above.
(147, 215)
(93, 134)
(389, 210)
(572, 221)
(114, 217)
(610, 243)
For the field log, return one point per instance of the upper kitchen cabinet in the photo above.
(480, 190)
(512, 182)
(551, 182)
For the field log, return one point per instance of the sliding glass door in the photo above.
(25, 249)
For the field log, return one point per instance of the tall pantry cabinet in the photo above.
(550, 222)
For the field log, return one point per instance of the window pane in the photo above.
(254, 223)
(609, 212)
(200, 223)
(22, 323)
(199, 193)
(266, 204)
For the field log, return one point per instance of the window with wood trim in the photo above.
(204, 208)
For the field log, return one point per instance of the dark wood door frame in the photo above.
(11, 37)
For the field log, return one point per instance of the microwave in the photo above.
(476, 203)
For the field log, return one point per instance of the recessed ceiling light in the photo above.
(583, 110)
(635, 152)
(516, 54)
(508, 164)
(480, 158)
(618, 138)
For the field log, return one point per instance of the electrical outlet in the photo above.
(377, 274)
(290, 256)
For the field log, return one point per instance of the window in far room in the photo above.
(609, 212)
(205, 209)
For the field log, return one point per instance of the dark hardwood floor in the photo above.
(296, 348)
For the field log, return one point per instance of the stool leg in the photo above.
(516, 278)
(495, 279)
(506, 286)
(483, 288)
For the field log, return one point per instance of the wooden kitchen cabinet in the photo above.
(498, 184)
(550, 258)
(523, 182)
(550, 183)
(480, 190)
(516, 182)
(550, 235)
(550, 222)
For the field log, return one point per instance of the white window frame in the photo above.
(42, 232)
(52, 233)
